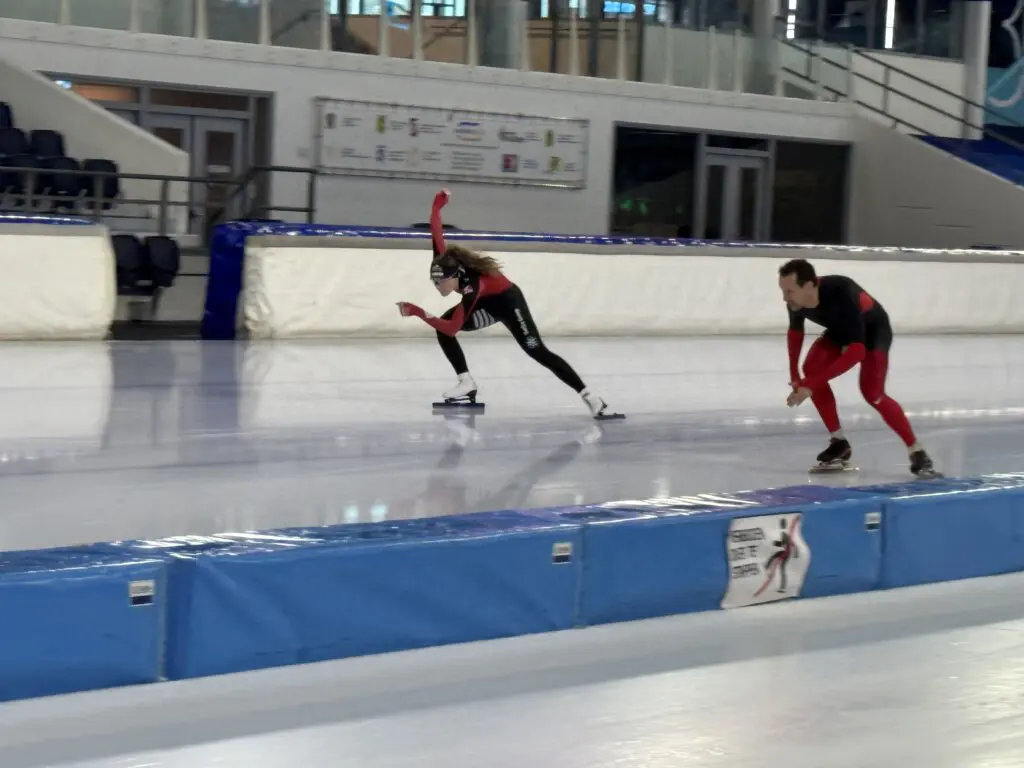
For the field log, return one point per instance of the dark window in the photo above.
(653, 182)
(809, 194)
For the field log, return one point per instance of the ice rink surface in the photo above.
(144, 440)
(106, 441)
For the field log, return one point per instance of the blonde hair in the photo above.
(457, 255)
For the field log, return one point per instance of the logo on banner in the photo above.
(467, 130)
(768, 559)
(510, 163)
(1007, 96)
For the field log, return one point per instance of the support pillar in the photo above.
(977, 16)
(500, 25)
(764, 59)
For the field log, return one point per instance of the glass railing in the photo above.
(440, 30)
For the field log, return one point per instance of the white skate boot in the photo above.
(598, 407)
(462, 395)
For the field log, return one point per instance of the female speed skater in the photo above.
(488, 297)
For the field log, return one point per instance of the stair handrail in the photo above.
(888, 88)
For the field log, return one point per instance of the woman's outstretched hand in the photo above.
(406, 309)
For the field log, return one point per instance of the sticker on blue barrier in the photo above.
(768, 559)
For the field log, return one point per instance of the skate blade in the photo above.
(929, 475)
(609, 416)
(831, 469)
(457, 405)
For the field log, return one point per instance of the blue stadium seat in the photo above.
(164, 259)
(46, 144)
(12, 142)
(109, 186)
(6, 115)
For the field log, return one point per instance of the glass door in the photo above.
(734, 207)
(218, 156)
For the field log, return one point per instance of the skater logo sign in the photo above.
(768, 559)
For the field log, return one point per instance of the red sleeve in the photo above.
(448, 327)
(795, 342)
(436, 225)
(854, 354)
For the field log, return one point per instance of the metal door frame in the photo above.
(733, 163)
(153, 120)
(201, 126)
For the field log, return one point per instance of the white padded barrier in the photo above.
(305, 287)
(58, 280)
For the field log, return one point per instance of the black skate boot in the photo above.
(922, 466)
(835, 458)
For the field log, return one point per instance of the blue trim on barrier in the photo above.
(48, 219)
(245, 601)
(227, 254)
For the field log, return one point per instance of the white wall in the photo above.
(92, 132)
(906, 192)
(296, 77)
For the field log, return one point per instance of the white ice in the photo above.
(143, 440)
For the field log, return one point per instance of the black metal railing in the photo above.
(244, 196)
(888, 91)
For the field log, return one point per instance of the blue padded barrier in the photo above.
(305, 595)
(77, 619)
(227, 255)
(243, 601)
(943, 530)
(667, 556)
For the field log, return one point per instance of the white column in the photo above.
(326, 41)
(202, 29)
(621, 72)
(472, 46)
(134, 17)
(977, 20)
(416, 22)
(763, 61)
(383, 30)
(265, 22)
(574, 42)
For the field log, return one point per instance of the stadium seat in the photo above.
(6, 115)
(109, 186)
(164, 258)
(12, 142)
(56, 181)
(46, 144)
(145, 268)
(132, 268)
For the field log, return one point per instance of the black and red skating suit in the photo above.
(486, 300)
(853, 320)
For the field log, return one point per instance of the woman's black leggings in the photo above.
(509, 308)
